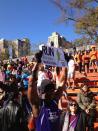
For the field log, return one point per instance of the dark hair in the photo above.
(46, 86)
(66, 56)
(38, 56)
(12, 76)
(57, 70)
(73, 101)
(71, 57)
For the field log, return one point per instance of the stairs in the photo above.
(92, 81)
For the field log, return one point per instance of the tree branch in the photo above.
(58, 4)
(96, 1)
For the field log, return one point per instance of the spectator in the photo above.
(11, 115)
(71, 72)
(86, 102)
(2, 75)
(19, 67)
(25, 79)
(86, 61)
(93, 56)
(74, 119)
(78, 58)
(14, 71)
(59, 77)
(18, 76)
(8, 73)
(41, 74)
(49, 115)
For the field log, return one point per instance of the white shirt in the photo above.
(71, 65)
(41, 76)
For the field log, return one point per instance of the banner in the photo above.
(53, 56)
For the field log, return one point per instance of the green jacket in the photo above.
(86, 101)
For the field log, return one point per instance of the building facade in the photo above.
(15, 48)
(58, 41)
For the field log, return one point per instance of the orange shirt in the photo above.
(97, 54)
(86, 58)
(93, 55)
(79, 58)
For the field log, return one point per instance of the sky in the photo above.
(33, 19)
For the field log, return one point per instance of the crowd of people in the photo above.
(30, 93)
(87, 58)
(83, 61)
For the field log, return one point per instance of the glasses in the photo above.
(73, 104)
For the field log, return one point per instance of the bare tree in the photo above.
(83, 13)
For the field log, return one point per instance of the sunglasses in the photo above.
(73, 104)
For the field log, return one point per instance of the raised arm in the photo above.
(62, 81)
(32, 87)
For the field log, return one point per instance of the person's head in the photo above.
(73, 106)
(85, 89)
(25, 71)
(71, 57)
(79, 51)
(86, 52)
(93, 47)
(13, 95)
(47, 89)
(9, 67)
(37, 56)
(13, 78)
(19, 72)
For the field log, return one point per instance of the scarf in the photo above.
(69, 126)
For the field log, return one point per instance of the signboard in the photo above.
(53, 56)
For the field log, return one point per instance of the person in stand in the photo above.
(59, 78)
(93, 56)
(8, 73)
(86, 61)
(74, 119)
(24, 79)
(2, 75)
(71, 72)
(48, 118)
(86, 102)
(78, 59)
(11, 114)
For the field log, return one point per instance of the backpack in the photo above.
(49, 118)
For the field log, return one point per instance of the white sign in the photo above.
(53, 56)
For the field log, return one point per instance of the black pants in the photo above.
(80, 67)
(91, 119)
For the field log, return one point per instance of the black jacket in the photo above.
(81, 123)
(11, 117)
